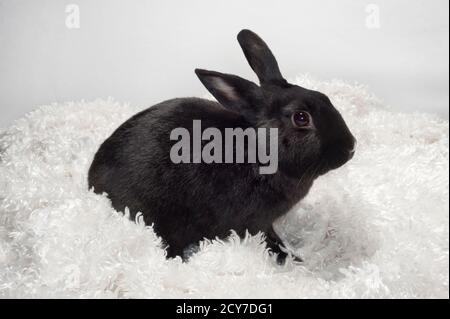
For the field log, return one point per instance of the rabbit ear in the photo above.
(260, 58)
(233, 92)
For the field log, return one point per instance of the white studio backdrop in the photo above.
(144, 52)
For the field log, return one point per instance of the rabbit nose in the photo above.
(351, 153)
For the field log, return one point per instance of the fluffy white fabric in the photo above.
(378, 227)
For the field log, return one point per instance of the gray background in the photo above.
(145, 51)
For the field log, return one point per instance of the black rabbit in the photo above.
(190, 202)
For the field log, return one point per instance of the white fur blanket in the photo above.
(377, 227)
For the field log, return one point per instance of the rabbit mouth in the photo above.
(338, 158)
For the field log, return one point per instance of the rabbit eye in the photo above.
(301, 119)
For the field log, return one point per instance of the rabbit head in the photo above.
(313, 138)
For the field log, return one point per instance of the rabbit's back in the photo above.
(185, 202)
